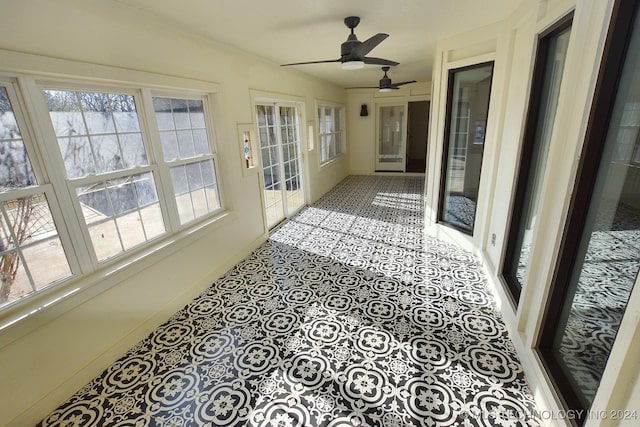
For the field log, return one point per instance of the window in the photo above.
(466, 120)
(551, 55)
(599, 258)
(187, 151)
(121, 175)
(31, 254)
(330, 132)
(107, 164)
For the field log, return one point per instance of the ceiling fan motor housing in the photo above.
(385, 82)
(352, 41)
(347, 47)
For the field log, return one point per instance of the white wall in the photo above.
(49, 355)
(511, 44)
(362, 130)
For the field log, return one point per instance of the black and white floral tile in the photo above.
(460, 211)
(348, 316)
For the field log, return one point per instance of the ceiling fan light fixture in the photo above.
(352, 65)
(385, 89)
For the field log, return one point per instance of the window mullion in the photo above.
(108, 176)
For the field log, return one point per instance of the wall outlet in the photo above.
(493, 239)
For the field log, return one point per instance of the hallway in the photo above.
(348, 316)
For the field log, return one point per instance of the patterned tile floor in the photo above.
(347, 316)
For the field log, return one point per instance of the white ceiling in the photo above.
(286, 31)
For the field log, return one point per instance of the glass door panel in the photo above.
(600, 257)
(289, 130)
(467, 111)
(552, 52)
(391, 147)
(271, 165)
(279, 139)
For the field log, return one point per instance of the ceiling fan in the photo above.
(385, 84)
(353, 52)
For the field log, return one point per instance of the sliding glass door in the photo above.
(280, 153)
(466, 121)
(600, 251)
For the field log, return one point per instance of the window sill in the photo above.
(29, 313)
(331, 161)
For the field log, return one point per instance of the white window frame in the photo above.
(338, 135)
(74, 183)
(166, 165)
(42, 186)
(89, 275)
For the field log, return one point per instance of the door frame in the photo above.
(259, 98)
(410, 127)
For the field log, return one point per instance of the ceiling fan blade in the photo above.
(379, 61)
(311, 62)
(363, 87)
(367, 46)
(402, 83)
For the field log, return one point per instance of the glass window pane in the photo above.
(104, 237)
(201, 142)
(266, 158)
(112, 212)
(124, 113)
(164, 117)
(31, 254)
(391, 138)
(330, 138)
(15, 167)
(179, 180)
(180, 110)
(78, 156)
(181, 191)
(468, 103)
(97, 112)
(185, 208)
(195, 189)
(262, 112)
(196, 114)
(15, 282)
(151, 215)
(199, 201)
(169, 142)
(65, 112)
(543, 104)
(194, 176)
(145, 189)
(131, 229)
(133, 151)
(121, 196)
(185, 144)
(6, 236)
(187, 117)
(209, 177)
(107, 153)
(103, 151)
(47, 262)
